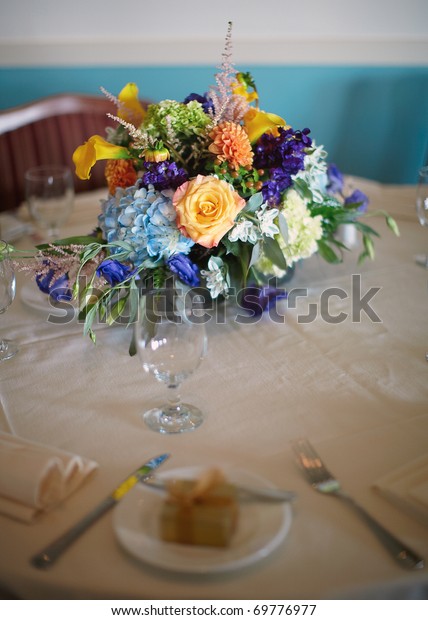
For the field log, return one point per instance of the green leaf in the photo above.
(364, 228)
(303, 189)
(90, 316)
(369, 246)
(274, 253)
(283, 226)
(254, 203)
(255, 254)
(91, 252)
(338, 244)
(82, 240)
(362, 257)
(134, 298)
(132, 346)
(232, 247)
(327, 253)
(392, 225)
(116, 310)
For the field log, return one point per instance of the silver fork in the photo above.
(324, 482)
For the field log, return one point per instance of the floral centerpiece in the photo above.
(212, 189)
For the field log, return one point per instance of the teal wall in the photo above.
(373, 121)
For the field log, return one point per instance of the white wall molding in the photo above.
(375, 51)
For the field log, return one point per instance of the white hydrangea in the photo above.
(303, 229)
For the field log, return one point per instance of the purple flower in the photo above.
(258, 299)
(283, 155)
(207, 104)
(163, 175)
(182, 266)
(335, 179)
(358, 198)
(57, 289)
(113, 271)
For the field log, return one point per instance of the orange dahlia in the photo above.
(231, 144)
(120, 173)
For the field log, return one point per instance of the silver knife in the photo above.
(243, 493)
(45, 558)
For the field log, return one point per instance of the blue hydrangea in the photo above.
(146, 219)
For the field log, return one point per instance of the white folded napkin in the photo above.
(34, 477)
(407, 488)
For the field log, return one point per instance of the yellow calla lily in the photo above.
(257, 122)
(244, 81)
(96, 148)
(132, 110)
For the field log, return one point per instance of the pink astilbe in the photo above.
(122, 108)
(227, 106)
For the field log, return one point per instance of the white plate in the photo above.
(33, 297)
(262, 527)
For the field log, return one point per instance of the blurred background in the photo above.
(355, 73)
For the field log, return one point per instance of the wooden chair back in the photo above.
(47, 131)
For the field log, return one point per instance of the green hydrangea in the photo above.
(184, 120)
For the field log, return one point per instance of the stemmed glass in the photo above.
(171, 341)
(422, 207)
(7, 294)
(50, 194)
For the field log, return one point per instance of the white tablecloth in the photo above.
(358, 390)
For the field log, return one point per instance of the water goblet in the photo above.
(50, 194)
(171, 342)
(7, 294)
(422, 207)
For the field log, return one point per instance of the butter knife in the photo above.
(243, 493)
(45, 558)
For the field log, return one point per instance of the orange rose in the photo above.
(206, 209)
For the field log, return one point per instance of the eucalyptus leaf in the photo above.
(255, 254)
(303, 189)
(274, 253)
(283, 226)
(253, 203)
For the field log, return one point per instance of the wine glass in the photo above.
(50, 194)
(171, 341)
(7, 294)
(422, 207)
